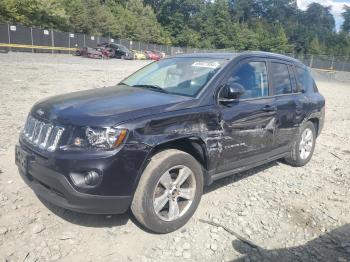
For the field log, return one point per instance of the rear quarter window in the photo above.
(280, 79)
(304, 80)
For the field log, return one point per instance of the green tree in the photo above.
(9, 12)
(346, 16)
(315, 47)
(269, 25)
(244, 10)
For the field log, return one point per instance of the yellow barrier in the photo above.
(324, 70)
(39, 47)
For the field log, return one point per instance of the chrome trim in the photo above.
(45, 136)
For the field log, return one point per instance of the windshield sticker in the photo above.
(206, 64)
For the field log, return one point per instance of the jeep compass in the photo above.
(153, 141)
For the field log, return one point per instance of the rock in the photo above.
(186, 246)
(243, 213)
(214, 247)
(247, 231)
(214, 230)
(56, 256)
(38, 228)
(186, 254)
(179, 248)
(178, 253)
(176, 239)
(3, 230)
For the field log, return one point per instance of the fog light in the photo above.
(92, 178)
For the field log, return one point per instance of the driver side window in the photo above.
(253, 77)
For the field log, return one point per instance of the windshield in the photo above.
(181, 75)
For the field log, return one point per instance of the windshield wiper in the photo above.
(154, 87)
(123, 83)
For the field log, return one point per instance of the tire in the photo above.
(299, 156)
(122, 57)
(152, 190)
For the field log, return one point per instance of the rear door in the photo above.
(283, 89)
(248, 123)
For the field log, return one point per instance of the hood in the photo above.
(107, 106)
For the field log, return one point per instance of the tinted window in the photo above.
(253, 77)
(280, 79)
(304, 79)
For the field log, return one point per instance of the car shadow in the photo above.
(332, 246)
(88, 220)
(94, 220)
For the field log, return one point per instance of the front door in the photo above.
(249, 124)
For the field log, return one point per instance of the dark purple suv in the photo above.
(153, 141)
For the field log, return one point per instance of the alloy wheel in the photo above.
(306, 143)
(174, 193)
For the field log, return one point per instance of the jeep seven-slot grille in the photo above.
(45, 136)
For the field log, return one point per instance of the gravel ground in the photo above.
(291, 214)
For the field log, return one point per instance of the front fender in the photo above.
(202, 124)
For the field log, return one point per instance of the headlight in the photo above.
(99, 138)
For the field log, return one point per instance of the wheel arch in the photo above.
(316, 122)
(317, 119)
(192, 145)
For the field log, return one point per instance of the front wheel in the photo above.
(304, 146)
(169, 191)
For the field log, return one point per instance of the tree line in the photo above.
(268, 25)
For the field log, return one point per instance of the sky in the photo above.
(337, 6)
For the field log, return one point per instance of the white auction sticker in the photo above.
(13, 28)
(46, 32)
(206, 64)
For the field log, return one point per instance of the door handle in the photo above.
(269, 108)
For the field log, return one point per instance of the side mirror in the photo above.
(231, 92)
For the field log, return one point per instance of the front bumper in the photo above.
(51, 182)
(55, 189)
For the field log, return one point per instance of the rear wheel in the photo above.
(169, 191)
(304, 146)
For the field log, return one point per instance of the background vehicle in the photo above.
(97, 52)
(159, 53)
(139, 55)
(81, 51)
(152, 56)
(118, 51)
(155, 140)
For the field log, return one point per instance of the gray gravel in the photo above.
(291, 214)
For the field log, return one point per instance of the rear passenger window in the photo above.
(280, 79)
(304, 79)
(253, 77)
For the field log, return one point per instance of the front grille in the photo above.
(45, 136)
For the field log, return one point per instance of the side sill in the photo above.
(215, 176)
